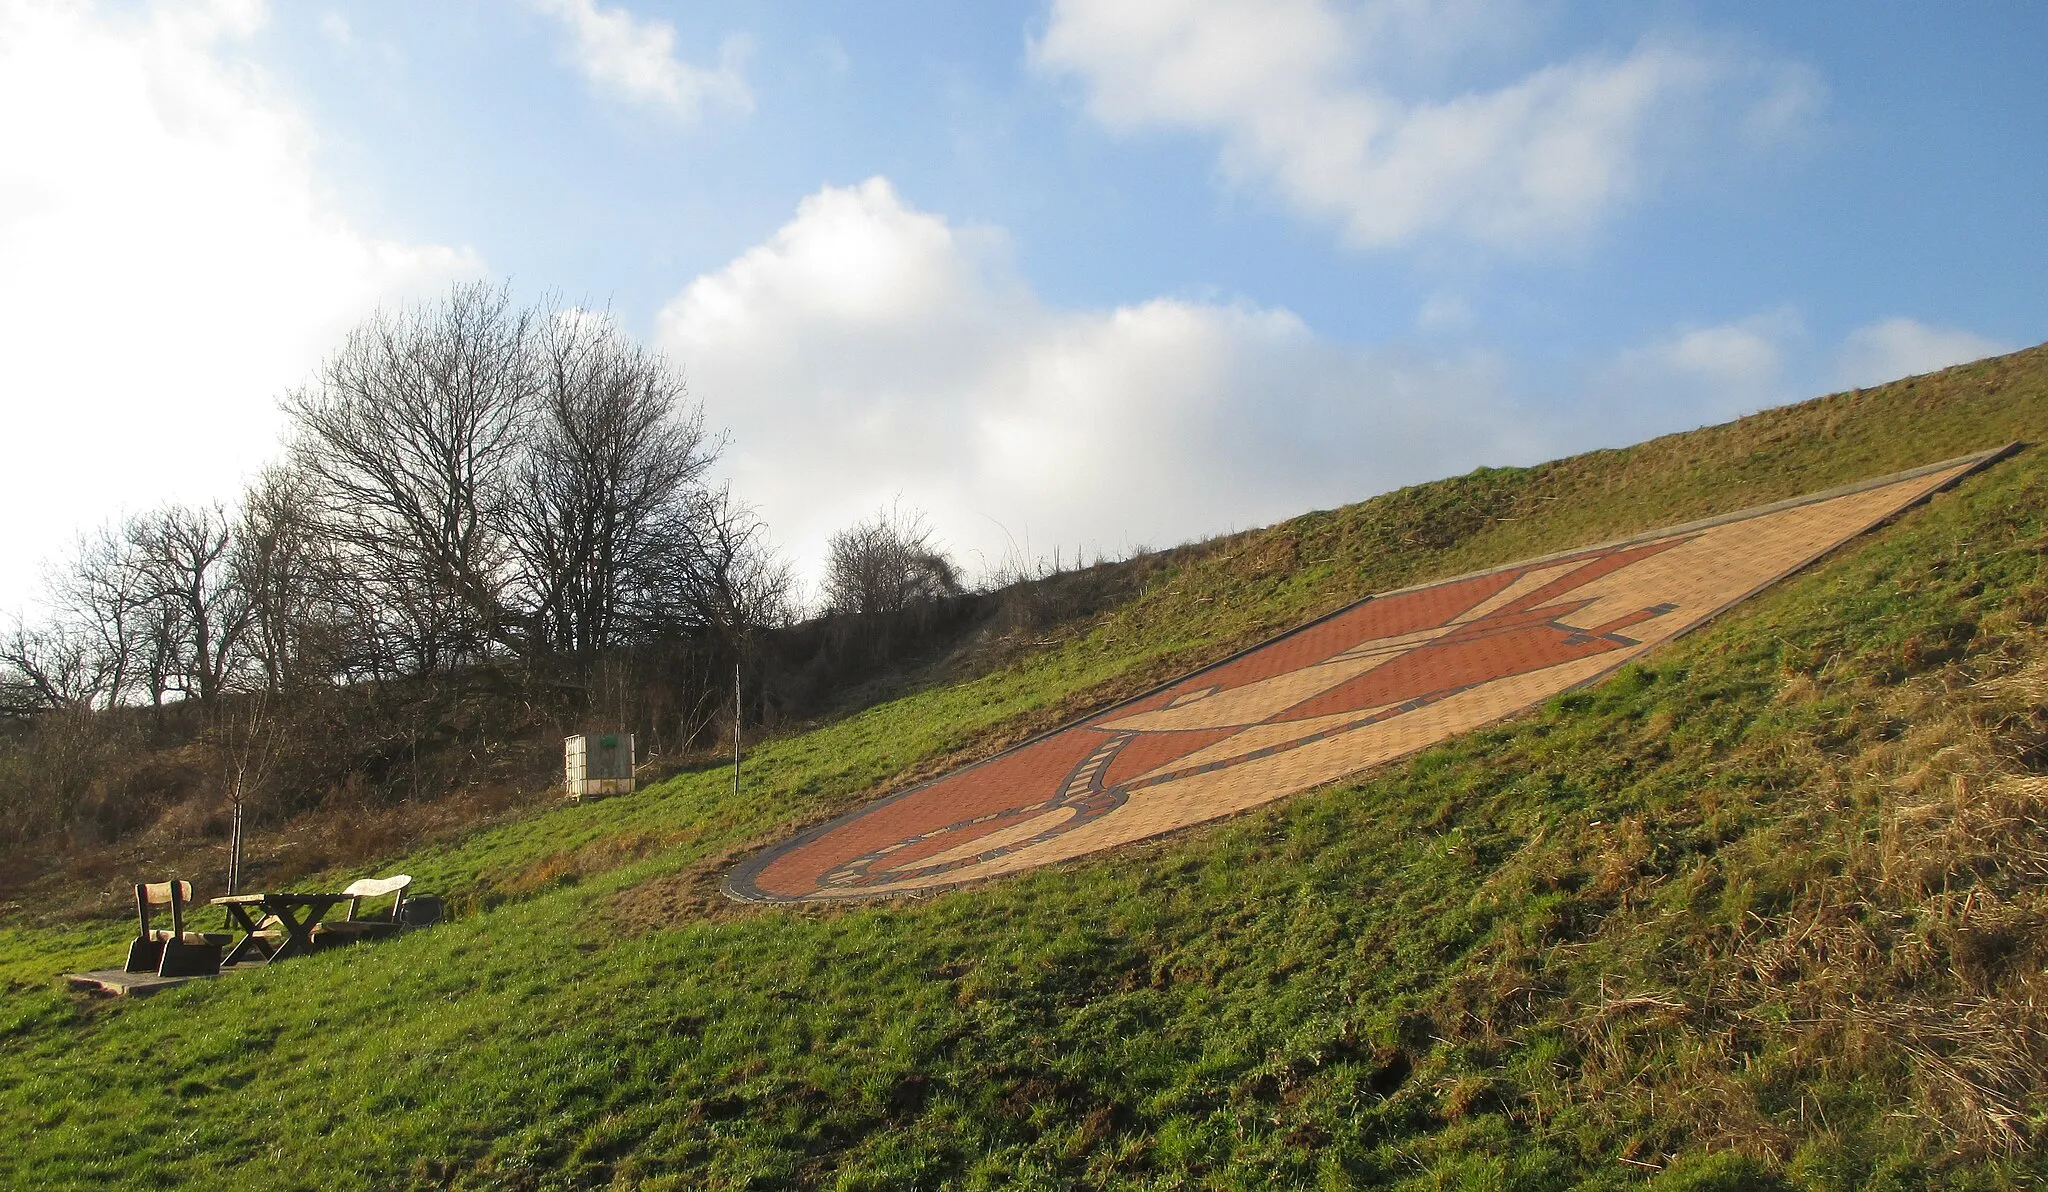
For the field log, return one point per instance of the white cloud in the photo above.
(168, 264)
(869, 350)
(1445, 312)
(635, 60)
(1298, 93)
(335, 28)
(1698, 375)
(1695, 376)
(1901, 347)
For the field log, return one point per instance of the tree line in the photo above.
(486, 519)
(468, 483)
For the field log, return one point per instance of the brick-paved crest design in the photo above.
(1386, 677)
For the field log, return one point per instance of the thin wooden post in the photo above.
(251, 758)
(235, 850)
(735, 728)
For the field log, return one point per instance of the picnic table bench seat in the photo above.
(173, 951)
(274, 926)
(356, 926)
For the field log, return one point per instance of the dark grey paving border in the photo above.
(739, 882)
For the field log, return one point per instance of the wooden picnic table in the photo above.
(263, 917)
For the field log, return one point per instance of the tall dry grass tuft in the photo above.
(1922, 958)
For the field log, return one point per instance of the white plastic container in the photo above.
(598, 764)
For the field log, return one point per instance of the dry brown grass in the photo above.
(190, 841)
(678, 899)
(598, 856)
(1874, 915)
(1922, 957)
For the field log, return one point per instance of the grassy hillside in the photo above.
(1764, 910)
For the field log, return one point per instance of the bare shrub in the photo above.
(67, 771)
(887, 564)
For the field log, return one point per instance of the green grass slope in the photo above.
(1766, 910)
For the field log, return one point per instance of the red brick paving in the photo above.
(1378, 680)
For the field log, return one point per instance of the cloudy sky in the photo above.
(1073, 274)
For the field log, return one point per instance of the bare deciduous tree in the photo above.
(182, 553)
(103, 595)
(610, 492)
(48, 668)
(412, 435)
(743, 582)
(887, 564)
(466, 483)
(301, 619)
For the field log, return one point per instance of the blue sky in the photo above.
(1091, 275)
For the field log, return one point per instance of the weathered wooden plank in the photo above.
(122, 983)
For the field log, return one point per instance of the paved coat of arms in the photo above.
(1383, 678)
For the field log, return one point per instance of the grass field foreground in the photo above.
(1766, 909)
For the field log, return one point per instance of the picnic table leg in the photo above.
(298, 936)
(251, 942)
